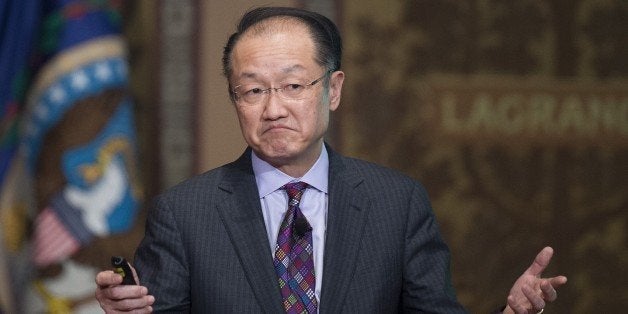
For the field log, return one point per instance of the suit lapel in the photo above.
(347, 211)
(241, 214)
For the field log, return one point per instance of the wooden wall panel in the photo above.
(514, 114)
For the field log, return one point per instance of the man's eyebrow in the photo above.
(247, 75)
(287, 70)
(293, 68)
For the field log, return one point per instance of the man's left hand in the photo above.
(530, 292)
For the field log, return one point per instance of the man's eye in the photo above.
(254, 91)
(293, 87)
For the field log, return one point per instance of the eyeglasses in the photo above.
(253, 94)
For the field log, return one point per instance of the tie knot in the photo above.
(295, 190)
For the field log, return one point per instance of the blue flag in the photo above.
(68, 160)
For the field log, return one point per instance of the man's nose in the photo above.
(274, 106)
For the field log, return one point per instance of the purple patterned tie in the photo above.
(294, 262)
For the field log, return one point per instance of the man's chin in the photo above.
(276, 156)
(282, 151)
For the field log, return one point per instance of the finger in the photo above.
(540, 262)
(115, 295)
(127, 292)
(558, 281)
(134, 305)
(112, 309)
(145, 310)
(517, 308)
(549, 293)
(534, 298)
(108, 278)
(137, 278)
(122, 299)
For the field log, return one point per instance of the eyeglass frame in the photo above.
(279, 90)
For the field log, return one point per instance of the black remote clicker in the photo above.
(121, 266)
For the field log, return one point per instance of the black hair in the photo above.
(323, 31)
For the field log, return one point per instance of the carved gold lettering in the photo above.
(450, 122)
(533, 114)
(571, 117)
(481, 117)
(542, 111)
(510, 114)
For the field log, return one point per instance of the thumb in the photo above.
(137, 278)
(540, 262)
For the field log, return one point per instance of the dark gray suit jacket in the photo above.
(206, 248)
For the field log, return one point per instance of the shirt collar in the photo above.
(269, 178)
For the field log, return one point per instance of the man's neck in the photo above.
(295, 170)
(295, 167)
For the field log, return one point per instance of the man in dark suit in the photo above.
(292, 226)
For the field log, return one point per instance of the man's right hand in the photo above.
(117, 298)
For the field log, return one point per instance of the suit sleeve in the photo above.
(427, 284)
(161, 262)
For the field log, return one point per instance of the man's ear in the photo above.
(335, 89)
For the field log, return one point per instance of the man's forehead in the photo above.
(289, 49)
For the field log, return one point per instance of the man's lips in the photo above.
(276, 128)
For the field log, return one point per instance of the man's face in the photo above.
(285, 133)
